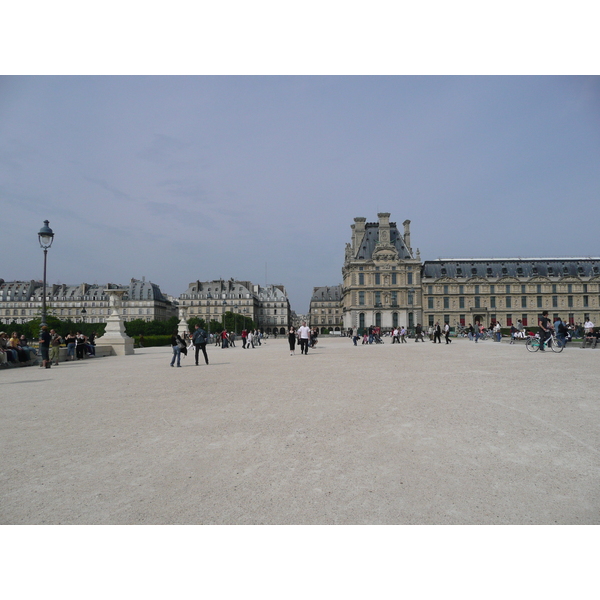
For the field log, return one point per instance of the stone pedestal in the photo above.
(115, 335)
(182, 327)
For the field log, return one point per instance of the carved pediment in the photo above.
(385, 253)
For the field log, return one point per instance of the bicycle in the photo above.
(533, 343)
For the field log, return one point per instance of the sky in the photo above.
(179, 178)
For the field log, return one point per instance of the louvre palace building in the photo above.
(385, 284)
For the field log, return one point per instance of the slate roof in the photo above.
(511, 267)
(327, 294)
(369, 241)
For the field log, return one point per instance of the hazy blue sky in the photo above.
(200, 177)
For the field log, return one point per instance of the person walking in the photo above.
(419, 333)
(292, 340)
(304, 335)
(437, 333)
(561, 331)
(199, 339)
(403, 335)
(250, 340)
(55, 341)
(447, 333)
(498, 331)
(45, 339)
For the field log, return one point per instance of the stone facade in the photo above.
(381, 276)
(326, 308)
(22, 301)
(468, 290)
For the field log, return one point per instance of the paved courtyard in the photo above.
(387, 434)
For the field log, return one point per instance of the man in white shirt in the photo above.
(588, 326)
(304, 337)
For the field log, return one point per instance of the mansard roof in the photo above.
(511, 267)
(137, 290)
(327, 294)
(371, 237)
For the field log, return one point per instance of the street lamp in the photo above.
(83, 313)
(224, 309)
(46, 237)
(235, 308)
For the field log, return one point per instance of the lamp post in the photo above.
(235, 309)
(224, 309)
(83, 313)
(46, 237)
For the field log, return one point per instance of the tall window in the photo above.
(477, 289)
(430, 303)
(462, 320)
(492, 301)
(508, 302)
(508, 320)
(411, 322)
(377, 298)
(361, 320)
(461, 289)
(570, 301)
(446, 290)
(361, 298)
(394, 279)
(586, 301)
(461, 302)
(361, 279)
(523, 301)
(539, 302)
(554, 301)
(378, 319)
(477, 302)
(508, 289)
(430, 289)
(446, 302)
(539, 289)
(409, 278)
(377, 278)
(395, 319)
(394, 298)
(570, 288)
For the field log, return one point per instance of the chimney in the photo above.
(407, 235)
(358, 232)
(384, 228)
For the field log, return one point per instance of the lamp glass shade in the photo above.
(45, 235)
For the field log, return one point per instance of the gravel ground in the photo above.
(418, 433)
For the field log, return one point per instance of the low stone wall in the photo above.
(36, 359)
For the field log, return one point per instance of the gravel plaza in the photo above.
(417, 433)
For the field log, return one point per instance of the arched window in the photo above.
(395, 319)
(361, 320)
(378, 319)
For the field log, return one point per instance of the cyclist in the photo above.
(545, 329)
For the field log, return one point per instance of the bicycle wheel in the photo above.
(555, 345)
(532, 344)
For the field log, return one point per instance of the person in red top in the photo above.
(244, 337)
